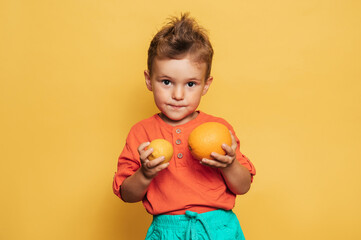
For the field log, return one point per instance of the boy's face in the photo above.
(177, 86)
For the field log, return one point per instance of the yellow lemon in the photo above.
(161, 147)
(207, 138)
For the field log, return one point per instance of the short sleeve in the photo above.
(248, 164)
(242, 159)
(128, 162)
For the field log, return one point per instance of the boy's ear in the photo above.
(148, 82)
(207, 85)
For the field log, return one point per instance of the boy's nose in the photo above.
(178, 93)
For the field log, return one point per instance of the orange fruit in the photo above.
(161, 147)
(207, 138)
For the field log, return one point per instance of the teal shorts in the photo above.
(213, 225)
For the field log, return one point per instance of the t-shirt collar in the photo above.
(182, 126)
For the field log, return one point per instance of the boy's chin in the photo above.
(177, 118)
(171, 117)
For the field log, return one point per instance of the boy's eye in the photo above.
(166, 82)
(191, 84)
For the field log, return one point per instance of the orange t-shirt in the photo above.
(185, 184)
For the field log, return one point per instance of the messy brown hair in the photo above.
(179, 37)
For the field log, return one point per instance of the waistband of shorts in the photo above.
(179, 221)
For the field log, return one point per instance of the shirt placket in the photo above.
(178, 145)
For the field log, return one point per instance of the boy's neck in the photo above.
(178, 122)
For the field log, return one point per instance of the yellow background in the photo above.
(287, 77)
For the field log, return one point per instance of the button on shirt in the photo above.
(178, 148)
(185, 184)
(180, 138)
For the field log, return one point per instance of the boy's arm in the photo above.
(134, 188)
(237, 177)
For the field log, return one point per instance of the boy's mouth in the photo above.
(176, 106)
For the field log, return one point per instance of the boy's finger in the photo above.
(142, 146)
(162, 166)
(234, 142)
(145, 154)
(217, 156)
(229, 150)
(213, 163)
(155, 162)
(224, 159)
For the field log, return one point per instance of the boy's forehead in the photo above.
(186, 65)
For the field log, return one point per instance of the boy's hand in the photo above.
(222, 161)
(149, 168)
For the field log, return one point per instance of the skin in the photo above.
(178, 86)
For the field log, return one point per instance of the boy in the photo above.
(187, 198)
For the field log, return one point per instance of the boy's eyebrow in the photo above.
(189, 79)
(163, 76)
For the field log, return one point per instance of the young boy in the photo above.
(187, 198)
